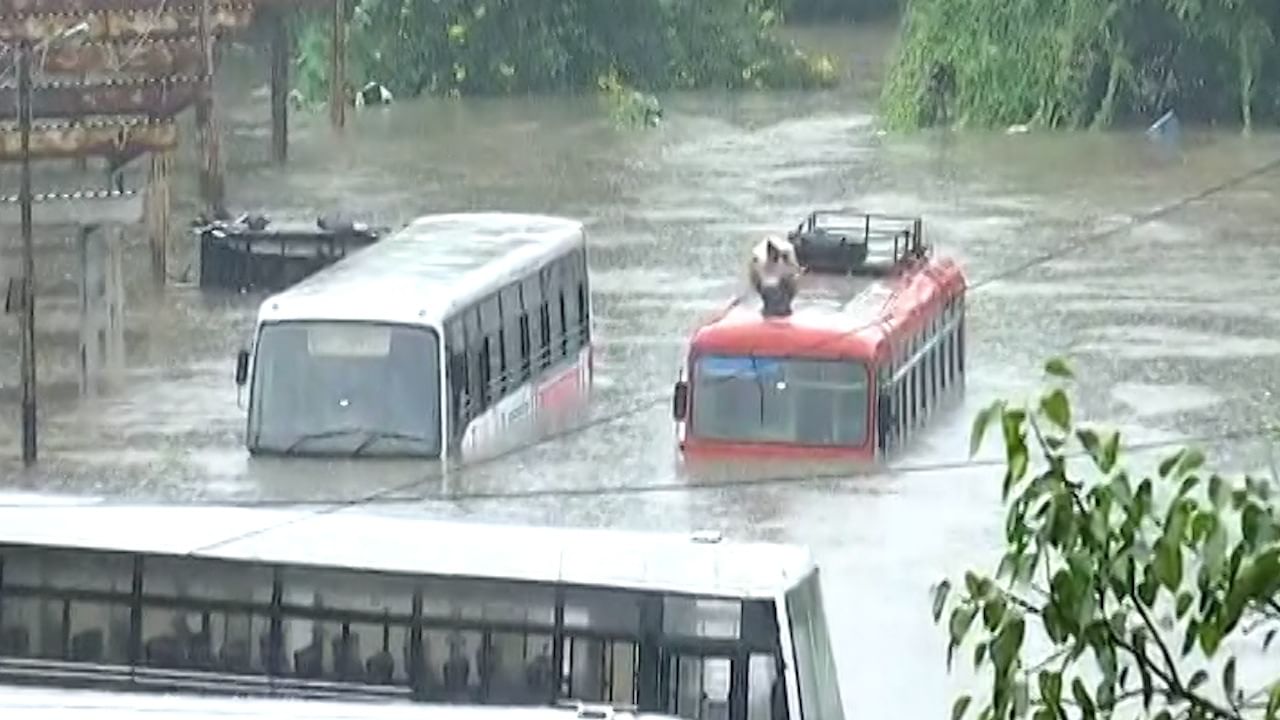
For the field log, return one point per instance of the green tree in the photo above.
(497, 47)
(1080, 63)
(1144, 588)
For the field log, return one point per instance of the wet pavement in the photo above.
(1171, 327)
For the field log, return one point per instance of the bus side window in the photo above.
(569, 304)
(584, 295)
(491, 326)
(531, 294)
(564, 287)
(459, 400)
(552, 293)
(513, 342)
(921, 377)
(935, 364)
(525, 343)
(478, 373)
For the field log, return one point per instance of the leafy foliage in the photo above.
(1140, 586)
(1077, 63)
(465, 47)
(809, 10)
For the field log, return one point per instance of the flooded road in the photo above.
(1172, 328)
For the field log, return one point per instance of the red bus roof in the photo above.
(835, 315)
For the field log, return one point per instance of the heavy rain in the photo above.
(1171, 323)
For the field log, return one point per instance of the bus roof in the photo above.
(832, 315)
(661, 562)
(420, 273)
(34, 703)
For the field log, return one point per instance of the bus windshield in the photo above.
(781, 400)
(346, 388)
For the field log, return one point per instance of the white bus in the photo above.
(37, 703)
(493, 308)
(383, 608)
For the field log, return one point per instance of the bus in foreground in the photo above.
(38, 703)
(458, 336)
(361, 606)
(849, 350)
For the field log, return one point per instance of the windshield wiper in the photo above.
(376, 435)
(319, 436)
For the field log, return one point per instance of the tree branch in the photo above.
(1174, 689)
(1159, 641)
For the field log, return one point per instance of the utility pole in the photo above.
(28, 316)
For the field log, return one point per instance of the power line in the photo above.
(387, 496)
(1069, 247)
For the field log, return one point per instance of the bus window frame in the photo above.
(268, 617)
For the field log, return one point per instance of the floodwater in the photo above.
(1171, 327)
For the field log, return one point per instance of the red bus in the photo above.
(866, 344)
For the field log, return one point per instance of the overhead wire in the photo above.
(388, 496)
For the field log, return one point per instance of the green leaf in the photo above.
(1214, 552)
(940, 592)
(1148, 587)
(1053, 625)
(1107, 695)
(961, 620)
(1057, 367)
(1188, 484)
(976, 585)
(980, 424)
(1091, 444)
(1192, 459)
(979, 654)
(1229, 678)
(1110, 451)
(1168, 464)
(1085, 702)
(1168, 564)
(1183, 604)
(1219, 492)
(1021, 699)
(1057, 408)
(960, 706)
(1197, 679)
(993, 612)
(1007, 643)
(1017, 460)
(1189, 638)
(1210, 636)
(1253, 521)
(1050, 688)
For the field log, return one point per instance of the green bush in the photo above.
(1143, 584)
(1074, 63)
(463, 47)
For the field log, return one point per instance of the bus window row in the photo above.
(924, 369)
(71, 605)
(443, 665)
(513, 336)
